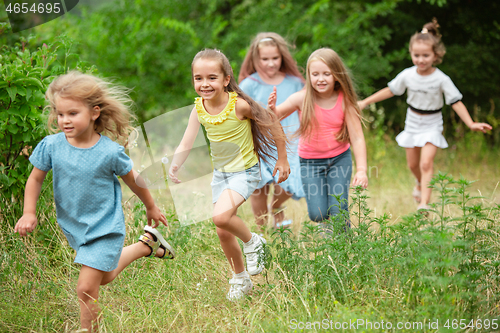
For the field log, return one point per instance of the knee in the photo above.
(221, 220)
(224, 235)
(86, 291)
(412, 165)
(426, 166)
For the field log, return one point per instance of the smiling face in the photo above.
(423, 57)
(321, 77)
(75, 118)
(209, 80)
(269, 61)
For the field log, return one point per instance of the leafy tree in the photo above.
(149, 45)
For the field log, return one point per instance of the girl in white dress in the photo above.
(425, 85)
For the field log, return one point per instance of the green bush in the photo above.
(429, 266)
(25, 75)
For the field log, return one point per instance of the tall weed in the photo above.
(434, 265)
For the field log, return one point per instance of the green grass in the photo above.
(395, 266)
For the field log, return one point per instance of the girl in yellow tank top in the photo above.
(240, 132)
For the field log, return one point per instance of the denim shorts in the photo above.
(243, 182)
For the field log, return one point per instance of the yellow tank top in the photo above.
(231, 142)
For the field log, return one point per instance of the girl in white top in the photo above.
(425, 85)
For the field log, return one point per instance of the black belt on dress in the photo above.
(423, 111)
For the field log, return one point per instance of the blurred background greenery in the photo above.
(149, 45)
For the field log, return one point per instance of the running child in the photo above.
(83, 112)
(425, 85)
(240, 132)
(269, 63)
(330, 124)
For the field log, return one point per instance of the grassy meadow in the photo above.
(392, 266)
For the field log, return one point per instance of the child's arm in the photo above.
(292, 103)
(28, 221)
(282, 164)
(182, 152)
(244, 110)
(462, 112)
(379, 96)
(138, 186)
(358, 145)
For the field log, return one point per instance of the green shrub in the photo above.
(25, 75)
(439, 265)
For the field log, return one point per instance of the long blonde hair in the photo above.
(264, 120)
(114, 103)
(288, 65)
(343, 83)
(430, 34)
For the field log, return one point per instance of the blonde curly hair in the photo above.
(113, 101)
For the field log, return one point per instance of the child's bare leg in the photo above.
(87, 290)
(413, 161)
(129, 254)
(279, 197)
(427, 170)
(229, 226)
(232, 250)
(224, 215)
(258, 199)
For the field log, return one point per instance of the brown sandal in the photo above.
(157, 242)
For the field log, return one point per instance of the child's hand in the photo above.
(362, 105)
(172, 173)
(271, 102)
(284, 169)
(26, 223)
(483, 127)
(156, 215)
(360, 178)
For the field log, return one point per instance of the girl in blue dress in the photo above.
(269, 63)
(87, 192)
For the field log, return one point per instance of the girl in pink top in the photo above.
(330, 123)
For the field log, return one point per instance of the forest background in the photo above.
(148, 46)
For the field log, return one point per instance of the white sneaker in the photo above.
(239, 288)
(253, 252)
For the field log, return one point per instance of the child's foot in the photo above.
(160, 251)
(240, 286)
(254, 250)
(423, 206)
(283, 224)
(160, 248)
(279, 214)
(423, 209)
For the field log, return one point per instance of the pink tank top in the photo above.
(322, 143)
